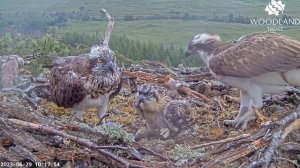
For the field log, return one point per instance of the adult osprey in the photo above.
(85, 81)
(257, 63)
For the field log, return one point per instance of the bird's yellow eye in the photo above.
(99, 60)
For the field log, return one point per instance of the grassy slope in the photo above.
(145, 7)
(159, 31)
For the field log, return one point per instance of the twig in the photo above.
(156, 64)
(278, 137)
(109, 26)
(288, 160)
(222, 141)
(168, 82)
(237, 153)
(23, 94)
(192, 78)
(292, 127)
(78, 140)
(130, 150)
(155, 153)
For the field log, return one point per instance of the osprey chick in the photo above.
(160, 112)
(257, 63)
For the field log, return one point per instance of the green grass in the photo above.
(149, 7)
(176, 32)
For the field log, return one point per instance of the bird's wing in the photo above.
(67, 79)
(256, 54)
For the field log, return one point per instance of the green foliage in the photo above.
(127, 51)
(14, 44)
(46, 46)
(117, 133)
(136, 51)
(184, 154)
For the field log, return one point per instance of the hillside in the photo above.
(146, 20)
(253, 8)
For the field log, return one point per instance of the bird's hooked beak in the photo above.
(188, 53)
(111, 67)
(138, 102)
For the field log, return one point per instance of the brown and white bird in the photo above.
(85, 81)
(160, 112)
(259, 63)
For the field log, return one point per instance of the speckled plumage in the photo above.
(85, 81)
(160, 109)
(259, 63)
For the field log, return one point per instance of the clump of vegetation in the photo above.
(117, 133)
(51, 108)
(184, 154)
(128, 51)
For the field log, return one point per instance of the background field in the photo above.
(160, 31)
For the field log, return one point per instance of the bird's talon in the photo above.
(230, 122)
(165, 133)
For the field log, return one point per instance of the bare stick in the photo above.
(109, 26)
(288, 160)
(168, 82)
(80, 141)
(23, 94)
(222, 141)
(155, 154)
(278, 137)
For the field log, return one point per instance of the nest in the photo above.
(34, 130)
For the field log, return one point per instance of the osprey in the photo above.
(85, 81)
(157, 107)
(257, 63)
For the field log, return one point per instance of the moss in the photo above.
(52, 108)
(116, 133)
(184, 154)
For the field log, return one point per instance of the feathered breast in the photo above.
(99, 83)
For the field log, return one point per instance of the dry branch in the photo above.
(167, 81)
(194, 77)
(154, 153)
(78, 140)
(237, 153)
(243, 136)
(278, 138)
(157, 64)
(109, 27)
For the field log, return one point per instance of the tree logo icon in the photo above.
(275, 8)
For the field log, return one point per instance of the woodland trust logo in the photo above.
(278, 20)
(275, 8)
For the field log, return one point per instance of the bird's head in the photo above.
(106, 63)
(146, 97)
(202, 45)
